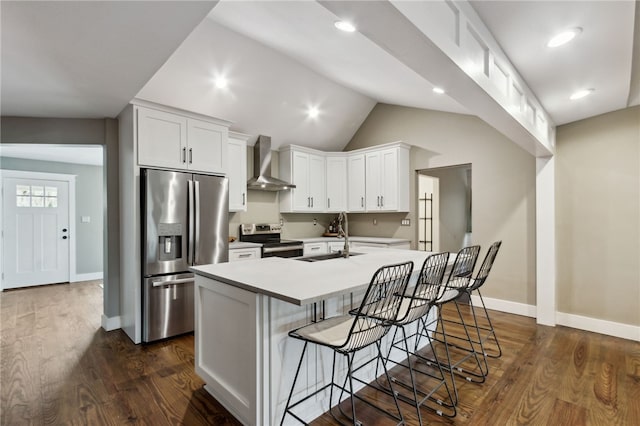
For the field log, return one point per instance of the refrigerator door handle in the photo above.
(190, 248)
(196, 212)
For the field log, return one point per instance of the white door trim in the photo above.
(71, 180)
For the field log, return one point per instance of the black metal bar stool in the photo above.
(416, 305)
(348, 334)
(459, 279)
(482, 333)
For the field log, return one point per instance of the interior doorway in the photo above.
(445, 208)
(76, 240)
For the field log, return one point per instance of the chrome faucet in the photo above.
(344, 232)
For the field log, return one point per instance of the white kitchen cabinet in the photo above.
(237, 255)
(336, 182)
(387, 179)
(311, 249)
(356, 179)
(305, 169)
(169, 140)
(237, 154)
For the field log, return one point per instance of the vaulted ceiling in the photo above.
(89, 59)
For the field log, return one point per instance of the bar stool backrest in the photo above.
(426, 290)
(460, 275)
(483, 273)
(380, 305)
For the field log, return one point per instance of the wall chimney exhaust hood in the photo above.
(262, 179)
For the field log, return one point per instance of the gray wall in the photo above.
(453, 206)
(598, 217)
(503, 187)
(84, 132)
(89, 187)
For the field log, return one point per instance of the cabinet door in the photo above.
(336, 184)
(300, 178)
(207, 147)
(237, 154)
(389, 179)
(317, 183)
(356, 180)
(162, 139)
(374, 177)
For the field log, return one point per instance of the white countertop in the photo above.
(302, 283)
(380, 240)
(243, 244)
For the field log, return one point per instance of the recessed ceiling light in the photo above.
(581, 94)
(438, 90)
(564, 37)
(313, 112)
(220, 82)
(345, 26)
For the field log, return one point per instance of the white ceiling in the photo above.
(88, 59)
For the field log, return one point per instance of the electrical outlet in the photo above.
(315, 222)
(375, 221)
(405, 222)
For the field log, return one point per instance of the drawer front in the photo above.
(243, 254)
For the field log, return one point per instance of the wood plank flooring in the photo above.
(57, 366)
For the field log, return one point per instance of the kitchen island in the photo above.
(244, 311)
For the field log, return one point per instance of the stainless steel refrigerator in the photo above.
(185, 223)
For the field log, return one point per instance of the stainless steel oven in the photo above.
(268, 234)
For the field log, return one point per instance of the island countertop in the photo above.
(302, 283)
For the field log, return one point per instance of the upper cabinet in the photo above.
(337, 182)
(387, 179)
(356, 178)
(306, 169)
(237, 171)
(171, 140)
(374, 179)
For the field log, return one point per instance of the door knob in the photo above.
(64, 237)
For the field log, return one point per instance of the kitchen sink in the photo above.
(328, 256)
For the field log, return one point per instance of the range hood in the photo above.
(262, 168)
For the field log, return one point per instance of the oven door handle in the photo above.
(281, 249)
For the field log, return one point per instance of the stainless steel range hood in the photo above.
(262, 168)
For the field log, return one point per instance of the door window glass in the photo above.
(36, 196)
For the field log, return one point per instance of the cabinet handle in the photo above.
(311, 201)
(190, 155)
(308, 201)
(315, 248)
(381, 201)
(245, 255)
(328, 203)
(361, 201)
(184, 155)
(378, 201)
(243, 198)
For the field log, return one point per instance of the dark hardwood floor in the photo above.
(59, 367)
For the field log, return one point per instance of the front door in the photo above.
(35, 243)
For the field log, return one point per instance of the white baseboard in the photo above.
(609, 328)
(111, 323)
(92, 276)
(506, 306)
(595, 325)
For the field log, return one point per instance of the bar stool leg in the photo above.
(295, 379)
